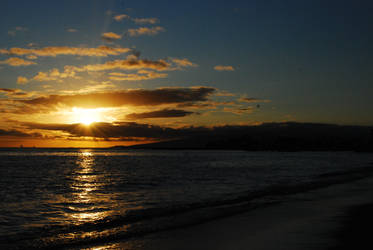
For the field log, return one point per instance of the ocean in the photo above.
(62, 198)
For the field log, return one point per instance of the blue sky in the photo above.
(307, 61)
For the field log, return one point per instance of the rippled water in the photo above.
(56, 197)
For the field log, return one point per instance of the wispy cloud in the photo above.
(65, 50)
(151, 20)
(224, 68)
(183, 62)
(146, 31)
(253, 100)
(15, 61)
(164, 113)
(72, 30)
(17, 30)
(110, 36)
(136, 97)
(15, 93)
(120, 17)
(143, 67)
(140, 75)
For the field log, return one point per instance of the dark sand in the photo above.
(337, 217)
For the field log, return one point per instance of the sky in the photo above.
(102, 73)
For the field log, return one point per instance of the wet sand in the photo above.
(321, 219)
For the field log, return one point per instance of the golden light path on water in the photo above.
(86, 180)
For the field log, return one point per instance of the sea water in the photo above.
(72, 197)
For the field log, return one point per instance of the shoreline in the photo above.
(316, 219)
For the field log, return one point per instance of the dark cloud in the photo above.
(17, 133)
(164, 113)
(253, 100)
(138, 97)
(274, 134)
(109, 130)
(14, 92)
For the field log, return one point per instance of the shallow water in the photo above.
(52, 197)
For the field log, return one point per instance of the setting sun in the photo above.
(86, 116)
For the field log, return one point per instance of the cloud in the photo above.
(146, 20)
(72, 30)
(146, 31)
(164, 113)
(142, 65)
(224, 68)
(54, 75)
(253, 100)
(128, 64)
(141, 75)
(16, 30)
(136, 97)
(15, 61)
(22, 80)
(65, 50)
(31, 57)
(224, 93)
(183, 62)
(17, 133)
(120, 17)
(266, 136)
(239, 111)
(15, 93)
(110, 36)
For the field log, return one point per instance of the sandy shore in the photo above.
(319, 219)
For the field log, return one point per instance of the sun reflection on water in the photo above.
(86, 180)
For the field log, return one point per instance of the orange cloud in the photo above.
(253, 100)
(15, 93)
(128, 64)
(64, 50)
(141, 75)
(143, 66)
(54, 75)
(146, 31)
(135, 97)
(184, 62)
(15, 61)
(22, 80)
(110, 36)
(120, 17)
(224, 68)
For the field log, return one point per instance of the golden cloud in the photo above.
(136, 97)
(22, 80)
(120, 17)
(224, 68)
(65, 50)
(141, 75)
(110, 36)
(146, 31)
(152, 20)
(184, 62)
(15, 61)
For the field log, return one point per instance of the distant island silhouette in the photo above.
(286, 136)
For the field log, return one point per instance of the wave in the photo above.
(136, 223)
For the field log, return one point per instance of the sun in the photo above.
(86, 116)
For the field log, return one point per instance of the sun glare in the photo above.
(86, 116)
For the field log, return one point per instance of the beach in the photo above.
(318, 219)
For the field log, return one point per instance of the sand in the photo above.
(319, 219)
